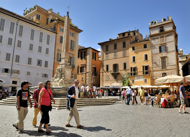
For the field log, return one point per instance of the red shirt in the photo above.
(46, 101)
(35, 96)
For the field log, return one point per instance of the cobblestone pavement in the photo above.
(104, 121)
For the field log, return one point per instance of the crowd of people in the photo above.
(43, 98)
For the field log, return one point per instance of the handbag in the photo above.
(50, 107)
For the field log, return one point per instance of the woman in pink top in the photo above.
(44, 105)
(123, 94)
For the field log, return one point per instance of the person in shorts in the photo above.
(182, 98)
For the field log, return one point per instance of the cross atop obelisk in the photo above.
(68, 8)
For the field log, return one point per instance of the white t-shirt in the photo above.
(82, 88)
(94, 88)
(77, 92)
(87, 88)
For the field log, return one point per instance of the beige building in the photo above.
(88, 69)
(115, 58)
(164, 48)
(66, 45)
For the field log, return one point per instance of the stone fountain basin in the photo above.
(58, 91)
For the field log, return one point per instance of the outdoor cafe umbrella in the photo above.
(187, 78)
(8, 85)
(170, 79)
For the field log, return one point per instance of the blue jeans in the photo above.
(128, 98)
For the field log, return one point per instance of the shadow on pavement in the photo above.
(57, 128)
(94, 129)
(55, 134)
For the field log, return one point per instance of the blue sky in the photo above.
(104, 19)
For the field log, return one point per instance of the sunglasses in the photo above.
(76, 83)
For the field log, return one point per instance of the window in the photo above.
(94, 55)
(124, 53)
(115, 68)
(162, 29)
(146, 57)
(115, 55)
(48, 39)
(82, 78)
(5, 70)
(124, 44)
(2, 24)
(37, 74)
(20, 31)
(72, 45)
(132, 81)
(164, 74)
(11, 31)
(115, 77)
(19, 43)
(145, 80)
(123, 34)
(32, 34)
(15, 71)
(115, 46)
(58, 57)
(10, 41)
(8, 57)
(31, 47)
(124, 66)
(61, 39)
(72, 34)
(28, 73)
(47, 21)
(129, 34)
(47, 50)
(71, 61)
(83, 54)
(163, 60)
(107, 56)
(39, 49)
(41, 37)
(162, 49)
(145, 46)
(46, 64)
(133, 59)
(39, 62)
(17, 58)
(61, 29)
(1, 39)
(81, 69)
(134, 33)
(94, 73)
(107, 67)
(145, 70)
(29, 61)
(37, 16)
(44, 75)
(133, 48)
(106, 78)
(106, 47)
(94, 79)
(133, 71)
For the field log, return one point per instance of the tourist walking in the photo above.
(134, 93)
(35, 97)
(23, 96)
(44, 104)
(182, 98)
(123, 94)
(141, 95)
(146, 96)
(73, 95)
(101, 91)
(128, 91)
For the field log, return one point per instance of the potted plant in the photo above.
(151, 22)
(34, 6)
(30, 9)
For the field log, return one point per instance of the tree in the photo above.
(126, 81)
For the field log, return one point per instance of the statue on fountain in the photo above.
(58, 79)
